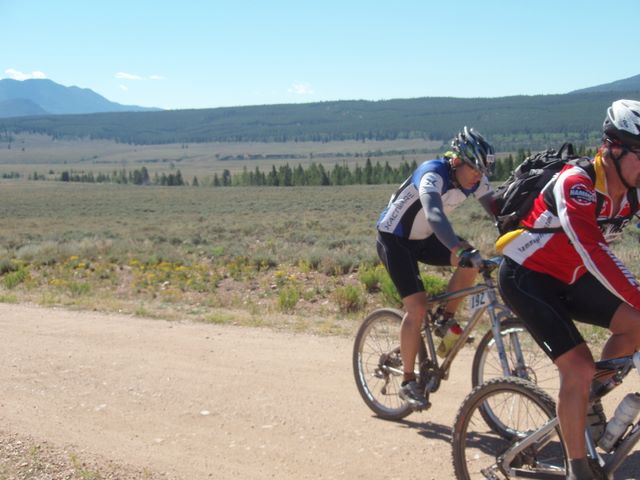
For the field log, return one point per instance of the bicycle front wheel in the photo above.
(522, 408)
(377, 365)
(525, 358)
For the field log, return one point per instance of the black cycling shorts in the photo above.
(549, 306)
(401, 256)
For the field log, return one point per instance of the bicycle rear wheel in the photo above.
(522, 408)
(377, 365)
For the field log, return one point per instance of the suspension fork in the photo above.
(495, 329)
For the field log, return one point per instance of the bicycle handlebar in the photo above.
(490, 264)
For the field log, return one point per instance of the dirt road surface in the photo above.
(143, 398)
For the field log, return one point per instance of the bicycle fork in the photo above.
(519, 367)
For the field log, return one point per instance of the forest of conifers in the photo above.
(511, 122)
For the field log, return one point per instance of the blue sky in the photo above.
(204, 54)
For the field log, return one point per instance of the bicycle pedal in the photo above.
(470, 339)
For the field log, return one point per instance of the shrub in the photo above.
(371, 276)
(349, 298)
(288, 298)
(79, 288)
(389, 291)
(263, 261)
(337, 264)
(45, 253)
(7, 266)
(313, 258)
(433, 285)
(13, 279)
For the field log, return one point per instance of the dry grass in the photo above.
(300, 258)
(40, 153)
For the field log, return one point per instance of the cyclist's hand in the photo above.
(470, 258)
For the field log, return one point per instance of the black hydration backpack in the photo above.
(514, 198)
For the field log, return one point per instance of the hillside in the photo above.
(624, 85)
(516, 121)
(42, 96)
(20, 107)
(519, 120)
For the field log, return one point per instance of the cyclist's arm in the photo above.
(431, 186)
(486, 197)
(488, 202)
(575, 200)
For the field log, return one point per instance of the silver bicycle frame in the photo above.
(543, 435)
(492, 306)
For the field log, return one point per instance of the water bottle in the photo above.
(449, 340)
(624, 416)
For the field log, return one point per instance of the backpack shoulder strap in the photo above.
(632, 196)
(566, 151)
(587, 165)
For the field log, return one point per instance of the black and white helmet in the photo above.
(622, 123)
(474, 150)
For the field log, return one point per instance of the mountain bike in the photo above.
(505, 349)
(530, 443)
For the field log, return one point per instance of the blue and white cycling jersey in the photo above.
(405, 215)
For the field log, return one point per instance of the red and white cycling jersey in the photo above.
(581, 244)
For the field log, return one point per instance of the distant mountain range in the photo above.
(521, 121)
(45, 97)
(624, 85)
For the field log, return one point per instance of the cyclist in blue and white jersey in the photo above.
(414, 228)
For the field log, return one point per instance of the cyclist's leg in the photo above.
(625, 332)
(576, 368)
(461, 278)
(590, 302)
(415, 306)
(399, 258)
(596, 305)
(543, 303)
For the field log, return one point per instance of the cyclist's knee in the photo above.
(413, 318)
(415, 306)
(576, 368)
(626, 322)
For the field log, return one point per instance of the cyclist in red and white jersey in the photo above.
(559, 267)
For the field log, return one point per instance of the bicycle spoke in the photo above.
(520, 408)
(378, 366)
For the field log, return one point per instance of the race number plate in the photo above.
(477, 301)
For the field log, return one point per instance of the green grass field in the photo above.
(189, 252)
(299, 257)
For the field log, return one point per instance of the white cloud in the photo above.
(301, 89)
(17, 75)
(124, 88)
(156, 77)
(127, 76)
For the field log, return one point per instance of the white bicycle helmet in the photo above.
(474, 150)
(622, 123)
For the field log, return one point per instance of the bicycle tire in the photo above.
(377, 366)
(539, 368)
(476, 446)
